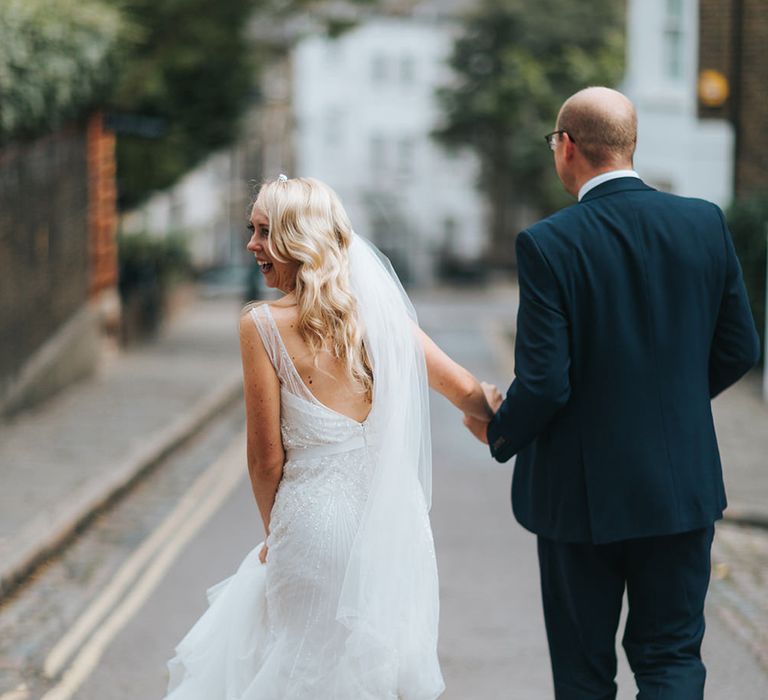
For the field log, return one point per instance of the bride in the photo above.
(341, 601)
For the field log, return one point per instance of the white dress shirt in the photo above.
(604, 177)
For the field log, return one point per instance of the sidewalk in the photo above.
(60, 462)
(741, 422)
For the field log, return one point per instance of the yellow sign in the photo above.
(713, 88)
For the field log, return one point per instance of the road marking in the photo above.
(130, 569)
(20, 692)
(198, 505)
(126, 574)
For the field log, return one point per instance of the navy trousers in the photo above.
(666, 579)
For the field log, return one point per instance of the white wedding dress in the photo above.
(325, 618)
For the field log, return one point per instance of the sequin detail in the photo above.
(316, 515)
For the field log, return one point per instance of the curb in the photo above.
(49, 533)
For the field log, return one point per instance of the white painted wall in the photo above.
(199, 206)
(210, 204)
(676, 151)
(364, 109)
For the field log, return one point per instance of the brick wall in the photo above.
(733, 35)
(102, 206)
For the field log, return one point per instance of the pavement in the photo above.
(741, 422)
(63, 461)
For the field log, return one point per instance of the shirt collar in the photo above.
(604, 177)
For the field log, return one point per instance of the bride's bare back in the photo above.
(324, 376)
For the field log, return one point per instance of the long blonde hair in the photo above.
(308, 225)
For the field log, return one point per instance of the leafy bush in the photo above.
(189, 65)
(148, 266)
(514, 64)
(146, 260)
(186, 66)
(56, 60)
(748, 222)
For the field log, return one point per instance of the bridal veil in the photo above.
(389, 599)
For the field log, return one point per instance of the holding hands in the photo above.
(475, 425)
(493, 396)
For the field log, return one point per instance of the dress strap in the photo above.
(278, 355)
(267, 333)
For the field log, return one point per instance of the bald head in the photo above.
(602, 124)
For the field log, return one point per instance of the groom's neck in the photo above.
(586, 172)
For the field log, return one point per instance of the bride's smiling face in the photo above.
(277, 273)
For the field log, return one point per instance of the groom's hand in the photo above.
(492, 396)
(477, 427)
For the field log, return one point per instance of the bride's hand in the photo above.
(492, 396)
(263, 554)
(477, 427)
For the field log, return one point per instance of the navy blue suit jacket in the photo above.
(633, 315)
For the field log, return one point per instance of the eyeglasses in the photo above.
(551, 138)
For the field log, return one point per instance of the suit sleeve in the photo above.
(735, 345)
(542, 358)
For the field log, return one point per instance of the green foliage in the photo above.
(148, 268)
(187, 64)
(748, 222)
(190, 66)
(193, 66)
(56, 59)
(515, 64)
(147, 260)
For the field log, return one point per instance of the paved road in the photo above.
(492, 640)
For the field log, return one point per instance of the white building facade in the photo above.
(210, 205)
(200, 208)
(364, 107)
(676, 151)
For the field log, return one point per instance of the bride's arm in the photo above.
(261, 388)
(457, 384)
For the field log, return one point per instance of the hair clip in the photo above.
(282, 178)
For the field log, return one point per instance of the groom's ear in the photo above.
(570, 147)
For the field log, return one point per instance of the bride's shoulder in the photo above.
(283, 314)
(255, 316)
(248, 312)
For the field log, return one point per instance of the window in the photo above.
(333, 53)
(334, 126)
(673, 40)
(407, 69)
(450, 234)
(377, 153)
(379, 68)
(405, 152)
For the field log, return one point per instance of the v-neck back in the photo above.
(281, 360)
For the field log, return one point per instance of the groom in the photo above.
(633, 315)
